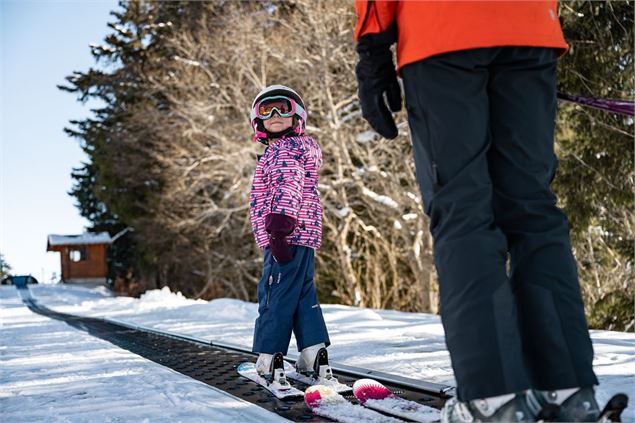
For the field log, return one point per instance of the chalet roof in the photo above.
(83, 239)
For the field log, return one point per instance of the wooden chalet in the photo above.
(83, 257)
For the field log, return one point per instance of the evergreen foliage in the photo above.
(595, 180)
(5, 268)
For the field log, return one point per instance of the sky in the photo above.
(41, 43)
(52, 372)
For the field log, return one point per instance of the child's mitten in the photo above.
(279, 226)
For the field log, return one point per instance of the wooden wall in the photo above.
(94, 266)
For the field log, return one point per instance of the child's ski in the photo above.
(373, 394)
(325, 402)
(278, 385)
(326, 378)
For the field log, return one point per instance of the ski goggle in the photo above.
(284, 106)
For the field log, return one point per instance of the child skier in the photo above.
(286, 218)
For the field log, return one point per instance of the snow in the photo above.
(382, 199)
(83, 239)
(413, 197)
(186, 61)
(366, 137)
(343, 212)
(53, 372)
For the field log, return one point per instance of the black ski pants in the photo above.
(482, 126)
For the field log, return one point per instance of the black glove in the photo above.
(376, 75)
(279, 227)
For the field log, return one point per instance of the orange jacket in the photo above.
(427, 28)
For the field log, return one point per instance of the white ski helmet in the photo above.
(298, 109)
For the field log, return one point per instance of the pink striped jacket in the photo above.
(286, 182)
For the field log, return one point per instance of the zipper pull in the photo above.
(269, 290)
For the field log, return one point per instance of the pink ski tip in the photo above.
(369, 389)
(312, 396)
(318, 395)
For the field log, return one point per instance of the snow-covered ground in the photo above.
(51, 372)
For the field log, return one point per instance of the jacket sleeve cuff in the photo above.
(369, 44)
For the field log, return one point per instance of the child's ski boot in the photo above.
(313, 368)
(314, 362)
(263, 364)
(271, 368)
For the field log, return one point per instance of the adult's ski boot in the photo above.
(580, 405)
(503, 408)
(612, 411)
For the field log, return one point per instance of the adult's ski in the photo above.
(325, 402)
(372, 394)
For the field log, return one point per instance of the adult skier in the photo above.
(480, 91)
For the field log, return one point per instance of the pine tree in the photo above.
(5, 269)
(103, 188)
(120, 254)
(121, 185)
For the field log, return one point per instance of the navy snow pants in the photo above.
(482, 125)
(287, 302)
